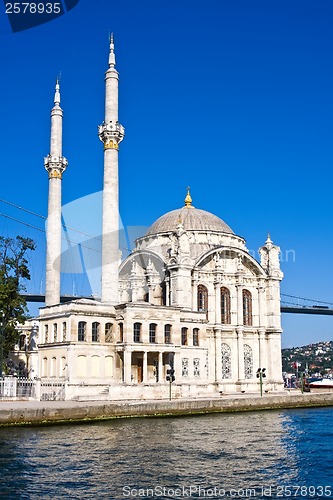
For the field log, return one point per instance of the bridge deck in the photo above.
(326, 311)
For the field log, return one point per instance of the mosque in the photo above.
(189, 298)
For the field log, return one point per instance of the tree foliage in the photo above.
(13, 270)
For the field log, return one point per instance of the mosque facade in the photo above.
(189, 303)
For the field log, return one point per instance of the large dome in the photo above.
(192, 219)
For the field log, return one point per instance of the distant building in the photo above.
(190, 297)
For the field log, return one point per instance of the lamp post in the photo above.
(170, 378)
(1, 341)
(260, 375)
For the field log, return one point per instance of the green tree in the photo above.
(13, 270)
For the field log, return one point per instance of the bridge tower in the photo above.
(111, 133)
(55, 164)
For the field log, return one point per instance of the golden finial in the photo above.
(188, 199)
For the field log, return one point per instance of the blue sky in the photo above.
(231, 97)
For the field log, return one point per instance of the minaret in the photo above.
(55, 165)
(111, 133)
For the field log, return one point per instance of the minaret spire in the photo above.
(57, 94)
(111, 133)
(55, 164)
(112, 56)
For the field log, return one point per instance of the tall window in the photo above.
(121, 332)
(22, 342)
(184, 336)
(64, 331)
(55, 332)
(108, 332)
(95, 332)
(167, 334)
(44, 367)
(248, 361)
(53, 366)
(152, 333)
(247, 308)
(46, 333)
(225, 306)
(137, 332)
(81, 331)
(202, 298)
(195, 336)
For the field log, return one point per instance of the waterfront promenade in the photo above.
(48, 412)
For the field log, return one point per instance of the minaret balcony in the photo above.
(111, 134)
(55, 165)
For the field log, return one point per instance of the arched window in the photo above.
(95, 331)
(167, 334)
(108, 332)
(195, 336)
(137, 332)
(81, 366)
(202, 298)
(53, 366)
(64, 331)
(81, 331)
(225, 306)
(184, 336)
(152, 333)
(248, 361)
(45, 367)
(247, 308)
(63, 366)
(226, 361)
(22, 343)
(121, 332)
(55, 332)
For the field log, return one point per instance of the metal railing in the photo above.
(52, 389)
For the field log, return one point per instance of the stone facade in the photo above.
(206, 309)
(189, 298)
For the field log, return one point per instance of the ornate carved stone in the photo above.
(55, 166)
(111, 134)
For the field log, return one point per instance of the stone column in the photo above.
(167, 291)
(240, 320)
(177, 364)
(218, 360)
(160, 367)
(151, 293)
(240, 349)
(127, 366)
(145, 367)
(217, 303)
(194, 295)
(262, 308)
(262, 349)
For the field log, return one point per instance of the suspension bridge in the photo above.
(291, 304)
(301, 305)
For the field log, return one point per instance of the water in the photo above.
(243, 455)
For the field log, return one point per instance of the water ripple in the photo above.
(240, 450)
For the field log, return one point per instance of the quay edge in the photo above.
(15, 413)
